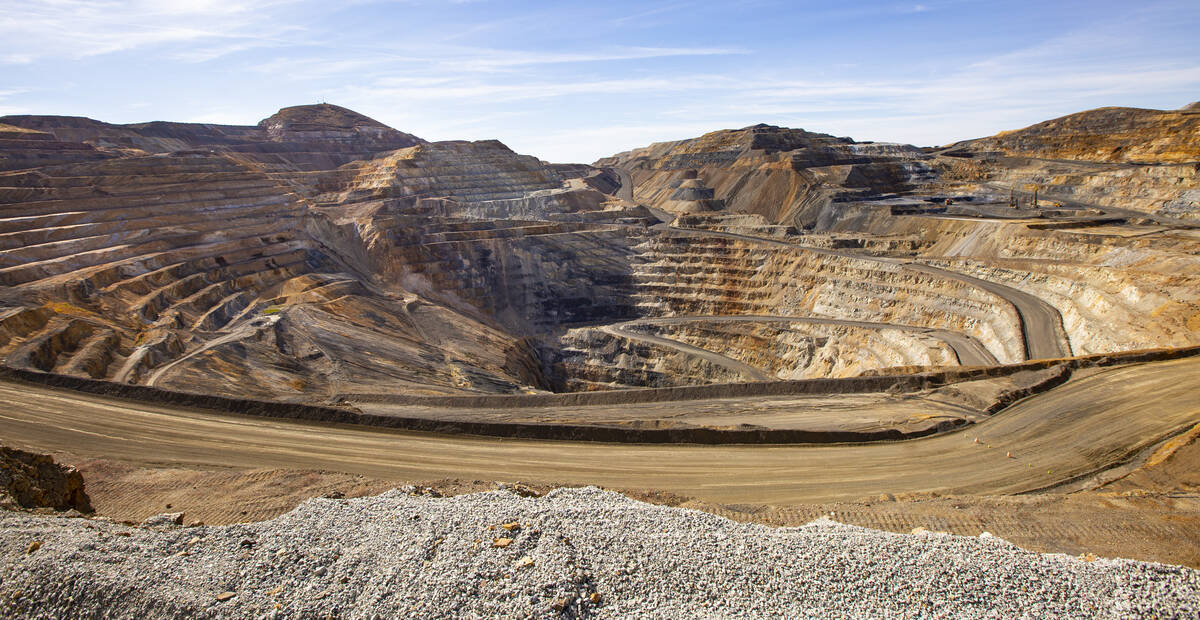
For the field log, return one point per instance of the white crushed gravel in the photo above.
(574, 553)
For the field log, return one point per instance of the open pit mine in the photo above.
(774, 325)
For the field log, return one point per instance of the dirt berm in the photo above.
(699, 435)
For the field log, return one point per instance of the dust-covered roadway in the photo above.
(1098, 419)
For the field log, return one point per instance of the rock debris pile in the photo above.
(572, 553)
(32, 481)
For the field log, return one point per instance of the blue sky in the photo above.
(574, 81)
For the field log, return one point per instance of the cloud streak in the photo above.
(75, 29)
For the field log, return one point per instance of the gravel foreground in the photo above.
(572, 553)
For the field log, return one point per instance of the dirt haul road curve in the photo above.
(1041, 323)
(747, 371)
(1098, 419)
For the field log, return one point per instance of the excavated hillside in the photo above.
(1124, 135)
(1119, 158)
(323, 257)
(191, 256)
(785, 175)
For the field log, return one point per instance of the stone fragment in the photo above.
(225, 596)
(518, 488)
(165, 519)
(502, 542)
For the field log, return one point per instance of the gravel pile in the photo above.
(572, 553)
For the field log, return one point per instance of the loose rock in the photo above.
(647, 560)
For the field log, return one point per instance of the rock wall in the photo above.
(1117, 287)
(794, 350)
(231, 265)
(1128, 158)
(589, 359)
(682, 275)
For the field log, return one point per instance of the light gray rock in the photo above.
(166, 519)
(576, 553)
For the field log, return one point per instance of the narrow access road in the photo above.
(241, 332)
(968, 350)
(626, 191)
(1041, 323)
(749, 372)
(1097, 420)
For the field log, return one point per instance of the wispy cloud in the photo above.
(448, 63)
(5, 106)
(486, 59)
(417, 90)
(575, 81)
(76, 29)
(638, 16)
(224, 48)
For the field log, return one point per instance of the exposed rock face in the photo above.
(316, 253)
(1126, 135)
(465, 171)
(786, 175)
(692, 197)
(29, 148)
(29, 480)
(1128, 158)
(1116, 287)
(321, 253)
(328, 125)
